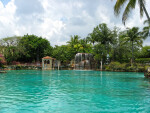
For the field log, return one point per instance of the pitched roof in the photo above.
(47, 57)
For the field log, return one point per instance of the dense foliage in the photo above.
(107, 45)
(1, 64)
(34, 48)
(29, 48)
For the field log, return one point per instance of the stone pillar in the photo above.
(58, 64)
(42, 63)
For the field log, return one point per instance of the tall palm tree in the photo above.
(129, 7)
(135, 37)
(104, 35)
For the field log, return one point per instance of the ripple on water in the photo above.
(73, 91)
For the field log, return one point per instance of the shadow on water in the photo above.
(147, 79)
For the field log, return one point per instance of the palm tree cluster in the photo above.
(116, 44)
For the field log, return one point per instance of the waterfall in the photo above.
(84, 61)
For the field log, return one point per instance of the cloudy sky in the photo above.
(57, 20)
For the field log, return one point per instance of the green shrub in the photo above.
(143, 60)
(131, 69)
(116, 66)
(113, 66)
(141, 69)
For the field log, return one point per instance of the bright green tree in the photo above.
(77, 45)
(73, 40)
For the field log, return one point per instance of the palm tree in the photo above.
(135, 38)
(91, 38)
(74, 40)
(129, 7)
(83, 46)
(104, 35)
(146, 29)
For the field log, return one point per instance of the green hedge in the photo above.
(126, 67)
(143, 60)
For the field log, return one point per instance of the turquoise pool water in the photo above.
(73, 92)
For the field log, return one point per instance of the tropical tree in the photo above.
(63, 54)
(91, 38)
(73, 45)
(100, 54)
(122, 48)
(104, 36)
(34, 48)
(129, 7)
(134, 36)
(116, 44)
(84, 47)
(9, 47)
(145, 52)
(74, 40)
(77, 45)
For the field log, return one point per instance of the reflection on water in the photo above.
(73, 91)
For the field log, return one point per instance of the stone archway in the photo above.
(47, 63)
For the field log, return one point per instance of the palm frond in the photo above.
(131, 5)
(141, 7)
(118, 6)
(146, 22)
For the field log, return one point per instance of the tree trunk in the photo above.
(145, 11)
(93, 44)
(101, 65)
(132, 55)
(58, 64)
(37, 55)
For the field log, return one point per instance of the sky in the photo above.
(57, 20)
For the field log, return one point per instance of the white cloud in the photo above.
(56, 20)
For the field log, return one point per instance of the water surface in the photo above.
(33, 91)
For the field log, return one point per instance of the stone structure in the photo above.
(2, 59)
(84, 61)
(48, 63)
(147, 73)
